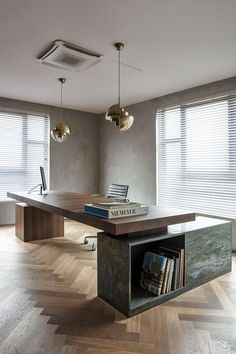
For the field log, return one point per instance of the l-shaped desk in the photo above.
(123, 242)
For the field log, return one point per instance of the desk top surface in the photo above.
(71, 205)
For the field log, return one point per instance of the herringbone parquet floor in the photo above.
(48, 304)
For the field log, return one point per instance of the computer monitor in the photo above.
(44, 184)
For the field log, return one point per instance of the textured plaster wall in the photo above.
(74, 164)
(129, 157)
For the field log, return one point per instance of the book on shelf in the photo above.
(175, 254)
(146, 281)
(166, 275)
(108, 213)
(179, 260)
(153, 272)
(171, 276)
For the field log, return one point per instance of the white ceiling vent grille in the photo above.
(69, 56)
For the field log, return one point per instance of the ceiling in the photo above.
(178, 44)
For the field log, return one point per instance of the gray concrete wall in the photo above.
(129, 157)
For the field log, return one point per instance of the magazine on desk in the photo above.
(116, 205)
(110, 210)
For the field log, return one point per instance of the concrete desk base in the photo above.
(207, 244)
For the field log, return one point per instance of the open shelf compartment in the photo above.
(139, 297)
(206, 242)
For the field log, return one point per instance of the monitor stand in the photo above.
(41, 190)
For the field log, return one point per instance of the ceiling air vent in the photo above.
(69, 56)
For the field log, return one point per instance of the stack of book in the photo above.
(116, 209)
(163, 270)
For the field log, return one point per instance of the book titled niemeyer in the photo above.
(115, 213)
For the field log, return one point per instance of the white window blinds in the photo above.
(24, 146)
(196, 157)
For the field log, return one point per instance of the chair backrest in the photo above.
(118, 191)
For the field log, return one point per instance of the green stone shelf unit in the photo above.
(207, 244)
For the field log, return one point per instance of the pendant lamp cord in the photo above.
(119, 79)
(61, 100)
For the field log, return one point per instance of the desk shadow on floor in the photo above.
(91, 318)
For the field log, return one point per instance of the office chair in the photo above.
(116, 191)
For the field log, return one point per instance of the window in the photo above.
(196, 157)
(24, 146)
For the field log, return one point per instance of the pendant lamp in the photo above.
(116, 114)
(62, 129)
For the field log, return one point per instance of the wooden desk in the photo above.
(206, 243)
(71, 206)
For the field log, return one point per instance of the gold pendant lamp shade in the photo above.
(116, 114)
(60, 132)
(62, 129)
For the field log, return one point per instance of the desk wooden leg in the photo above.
(36, 224)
